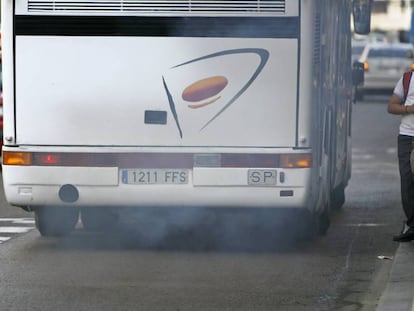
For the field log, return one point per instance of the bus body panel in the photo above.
(132, 91)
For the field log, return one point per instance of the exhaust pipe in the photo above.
(68, 193)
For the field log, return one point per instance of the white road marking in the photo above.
(362, 156)
(14, 229)
(18, 220)
(4, 239)
(392, 150)
(8, 227)
(365, 225)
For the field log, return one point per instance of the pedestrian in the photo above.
(401, 103)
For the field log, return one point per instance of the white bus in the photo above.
(116, 103)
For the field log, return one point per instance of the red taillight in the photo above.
(47, 159)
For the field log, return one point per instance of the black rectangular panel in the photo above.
(232, 27)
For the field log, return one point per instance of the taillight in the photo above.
(366, 66)
(17, 158)
(296, 160)
(47, 159)
(28, 158)
(159, 160)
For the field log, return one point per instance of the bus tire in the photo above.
(338, 197)
(315, 225)
(323, 222)
(359, 96)
(55, 220)
(97, 218)
(306, 225)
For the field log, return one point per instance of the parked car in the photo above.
(384, 64)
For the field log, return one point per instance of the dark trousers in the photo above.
(405, 145)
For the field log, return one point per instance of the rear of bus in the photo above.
(139, 104)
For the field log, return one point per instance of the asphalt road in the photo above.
(225, 262)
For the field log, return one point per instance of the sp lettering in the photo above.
(262, 177)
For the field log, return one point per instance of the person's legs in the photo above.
(405, 145)
(407, 180)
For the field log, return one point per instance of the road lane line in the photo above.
(4, 239)
(18, 220)
(366, 225)
(14, 229)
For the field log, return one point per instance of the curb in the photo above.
(399, 293)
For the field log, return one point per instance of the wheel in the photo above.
(305, 225)
(311, 226)
(97, 218)
(359, 95)
(323, 222)
(56, 220)
(338, 197)
(323, 217)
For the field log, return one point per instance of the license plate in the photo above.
(154, 176)
(261, 177)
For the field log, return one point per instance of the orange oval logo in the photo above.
(204, 88)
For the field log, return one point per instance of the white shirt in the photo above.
(407, 121)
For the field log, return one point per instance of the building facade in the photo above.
(391, 15)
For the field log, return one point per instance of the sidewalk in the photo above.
(399, 293)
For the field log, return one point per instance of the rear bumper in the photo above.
(103, 186)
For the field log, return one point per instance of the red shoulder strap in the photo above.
(406, 82)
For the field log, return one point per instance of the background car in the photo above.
(384, 64)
